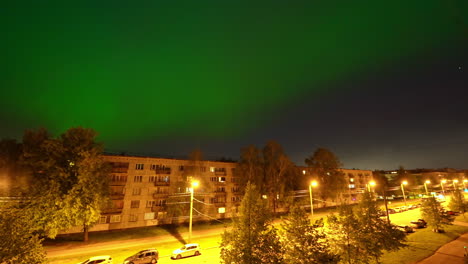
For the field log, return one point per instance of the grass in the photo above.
(423, 243)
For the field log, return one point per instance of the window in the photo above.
(202, 169)
(236, 189)
(138, 179)
(139, 166)
(103, 219)
(161, 202)
(152, 178)
(352, 186)
(150, 204)
(181, 167)
(118, 178)
(115, 218)
(221, 189)
(133, 218)
(212, 169)
(149, 216)
(135, 204)
(136, 191)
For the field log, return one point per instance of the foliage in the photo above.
(433, 213)
(19, 244)
(252, 238)
(325, 166)
(69, 186)
(361, 236)
(279, 173)
(304, 243)
(457, 202)
(270, 170)
(250, 167)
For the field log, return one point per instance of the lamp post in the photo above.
(455, 182)
(442, 185)
(312, 184)
(403, 190)
(193, 185)
(425, 186)
(371, 183)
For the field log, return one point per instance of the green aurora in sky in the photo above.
(156, 69)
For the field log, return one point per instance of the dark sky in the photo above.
(380, 83)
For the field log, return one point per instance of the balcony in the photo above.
(220, 204)
(163, 171)
(220, 173)
(162, 183)
(112, 211)
(119, 170)
(117, 183)
(117, 196)
(159, 195)
(158, 208)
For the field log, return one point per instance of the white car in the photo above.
(98, 260)
(186, 250)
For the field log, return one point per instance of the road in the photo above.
(209, 239)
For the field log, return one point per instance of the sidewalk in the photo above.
(452, 252)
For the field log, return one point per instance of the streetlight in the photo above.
(403, 190)
(193, 185)
(371, 183)
(453, 182)
(442, 185)
(312, 184)
(425, 186)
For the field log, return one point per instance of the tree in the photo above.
(361, 236)
(279, 173)
(457, 202)
(325, 166)
(19, 244)
(251, 167)
(304, 243)
(252, 239)
(70, 179)
(433, 213)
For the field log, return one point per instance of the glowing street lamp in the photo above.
(455, 182)
(425, 186)
(442, 185)
(403, 190)
(371, 183)
(312, 184)
(193, 185)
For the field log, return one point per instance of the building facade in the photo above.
(144, 190)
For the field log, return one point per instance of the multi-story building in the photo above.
(143, 189)
(357, 181)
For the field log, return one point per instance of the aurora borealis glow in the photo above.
(155, 75)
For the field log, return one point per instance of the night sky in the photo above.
(379, 83)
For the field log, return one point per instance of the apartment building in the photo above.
(144, 189)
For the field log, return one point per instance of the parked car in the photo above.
(391, 211)
(186, 251)
(406, 229)
(398, 209)
(150, 255)
(98, 260)
(452, 213)
(418, 224)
